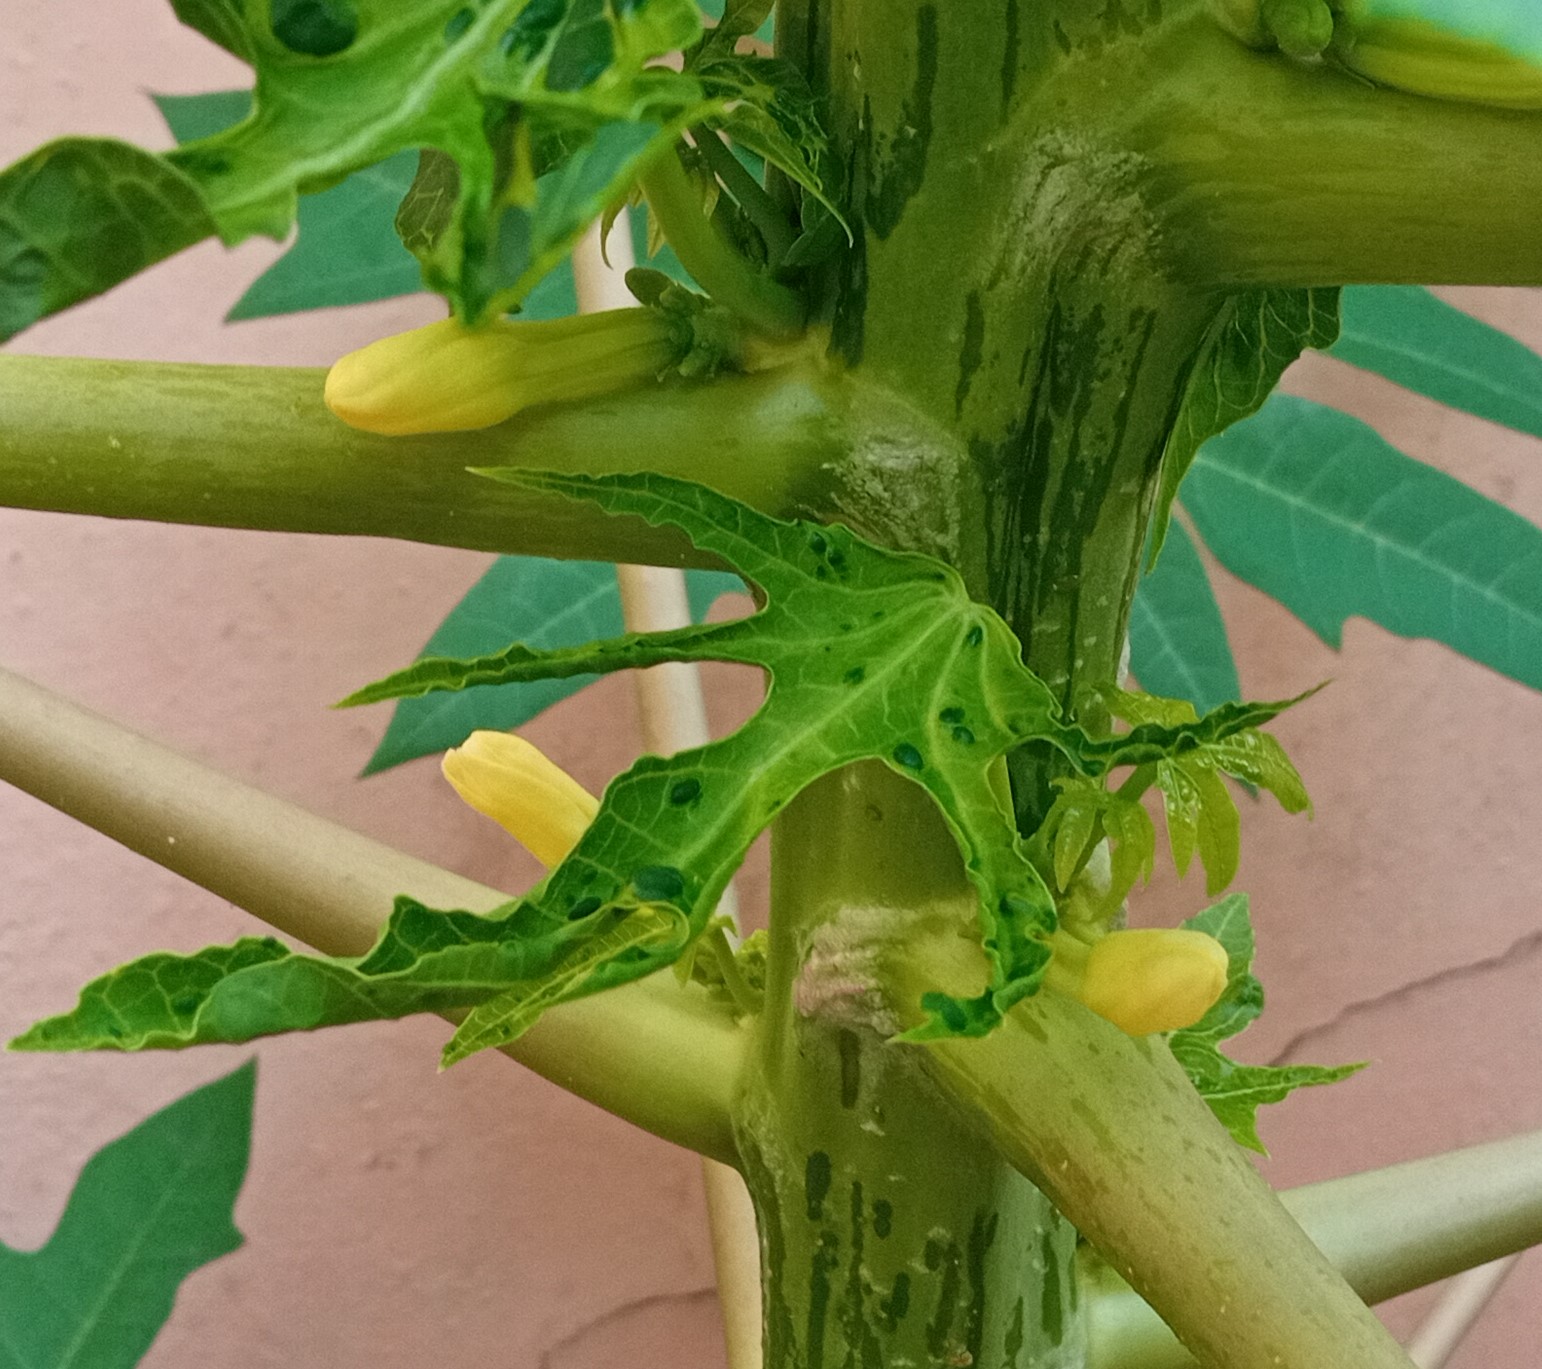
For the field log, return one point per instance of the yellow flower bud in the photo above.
(446, 377)
(1479, 53)
(1153, 980)
(536, 801)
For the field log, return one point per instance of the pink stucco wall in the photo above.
(396, 1217)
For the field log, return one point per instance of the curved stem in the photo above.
(715, 263)
(1387, 1231)
(656, 1053)
(1271, 171)
(1110, 1127)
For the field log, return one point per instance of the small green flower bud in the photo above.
(1302, 28)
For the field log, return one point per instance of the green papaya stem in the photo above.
(1111, 1128)
(1270, 171)
(1387, 1231)
(718, 267)
(657, 1053)
(892, 1231)
(255, 447)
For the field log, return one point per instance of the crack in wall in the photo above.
(551, 1356)
(1522, 947)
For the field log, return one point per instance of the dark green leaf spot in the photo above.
(953, 716)
(974, 636)
(658, 883)
(585, 907)
(686, 791)
(458, 23)
(585, 51)
(316, 28)
(963, 736)
(527, 35)
(905, 754)
(855, 675)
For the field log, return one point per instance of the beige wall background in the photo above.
(396, 1217)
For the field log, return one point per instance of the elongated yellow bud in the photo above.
(536, 801)
(1416, 56)
(446, 377)
(1143, 981)
(1486, 52)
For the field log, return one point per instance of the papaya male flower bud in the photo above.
(536, 801)
(446, 377)
(1479, 51)
(1142, 981)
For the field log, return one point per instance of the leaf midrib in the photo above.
(1381, 544)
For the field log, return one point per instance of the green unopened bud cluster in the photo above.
(447, 377)
(1485, 52)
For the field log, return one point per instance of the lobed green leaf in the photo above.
(1234, 1091)
(1257, 335)
(1313, 507)
(1178, 642)
(341, 87)
(533, 600)
(869, 655)
(1406, 334)
(82, 214)
(147, 1210)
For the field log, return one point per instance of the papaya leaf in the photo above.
(870, 655)
(1200, 812)
(342, 85)
(1257, 335)
(769, 110)
(1178, 642)
(736, 19)
(1084, 812)
(1234, 1091)
(528, 599)
(1422, 343)
(344, 251)
(147, 1210)
(1313, 507)
(190, 117)
(220, 21)
(79, 215)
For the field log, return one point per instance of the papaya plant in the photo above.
(957, 331)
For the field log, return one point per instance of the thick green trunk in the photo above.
(892, 1233)
(1006, 289)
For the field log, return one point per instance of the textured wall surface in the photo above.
(395, 1217)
